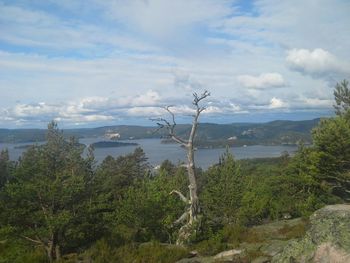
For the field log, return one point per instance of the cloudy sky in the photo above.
(87, 63)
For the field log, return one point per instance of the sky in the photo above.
(89, 63)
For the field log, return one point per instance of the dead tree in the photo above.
(191, 217)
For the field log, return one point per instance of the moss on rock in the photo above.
(328, 235)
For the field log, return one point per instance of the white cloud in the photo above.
(265, 80)
(276, 103)
(88, 109)
(150, 53)
(146, 112)
(315, 62)
(319, 103)
(33, 110)
(164, 19)
(150, 98)
(311, 103)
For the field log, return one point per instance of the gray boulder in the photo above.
(327, 239)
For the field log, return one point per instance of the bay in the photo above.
(158, 152)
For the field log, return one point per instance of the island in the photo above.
(106, 144)
(25, 146)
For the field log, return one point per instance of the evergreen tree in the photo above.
(332, 144)
(223, 190)
(47, 195)
(6, 167)
(342, 97)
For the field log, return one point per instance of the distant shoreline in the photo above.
(106, 144)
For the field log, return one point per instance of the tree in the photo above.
(192, 214)
(115, 175)
(223, 191)
(332, 144)
(342, 97)
(45, 200)
(147, 210)
(6, 167)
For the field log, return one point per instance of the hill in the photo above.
(209, 134)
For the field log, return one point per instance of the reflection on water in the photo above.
(158, 152)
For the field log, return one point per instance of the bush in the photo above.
(102, 252)
(15, 252)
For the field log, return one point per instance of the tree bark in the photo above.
(53, 249)
(191, 169)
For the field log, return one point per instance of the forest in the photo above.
(58, 206)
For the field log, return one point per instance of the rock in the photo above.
(228, 255)
(197, 260)
(327, 240)
(328, 253)
(273, 247)
(261, 260)
(192, 253)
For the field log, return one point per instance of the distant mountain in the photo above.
(237, 134)
(208, 135)
(22, 135)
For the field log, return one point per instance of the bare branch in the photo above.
(179, 140)
(171, 113)
(182, 218)
(164, 123)
(182, 197)
(198, 98)
(202, 109)
(158, 129)
(33, 240)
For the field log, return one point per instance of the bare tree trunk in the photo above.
(53, 249)
(191, 170)
(192, 213)
(58, 252)
(49, 252)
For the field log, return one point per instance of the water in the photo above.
(158, 152)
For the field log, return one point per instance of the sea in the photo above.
(157, 152)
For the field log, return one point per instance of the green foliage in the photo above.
(6, 167)
(222, 191)
(114, 176)
(47, 193)
(296, 231)
(148, 208)
(342, 97)
(211, 246)
(254, 207)
(332, 145)
(102, 252)
(14, 250)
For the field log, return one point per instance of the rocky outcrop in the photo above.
(327, 239)
(263, 242)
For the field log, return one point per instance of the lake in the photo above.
(158, 152)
